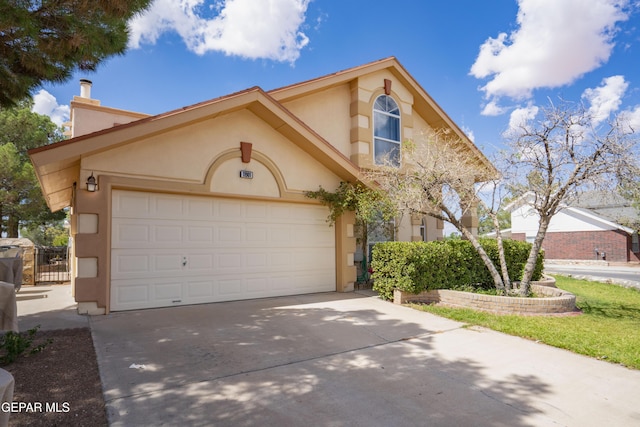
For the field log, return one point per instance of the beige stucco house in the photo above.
(207, 203)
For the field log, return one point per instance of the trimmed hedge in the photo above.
(422, 266)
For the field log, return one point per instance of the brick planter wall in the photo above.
(557, 301)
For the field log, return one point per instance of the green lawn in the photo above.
(608, 329)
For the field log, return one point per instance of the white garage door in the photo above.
(173, 250)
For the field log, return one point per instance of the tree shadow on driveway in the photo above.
(324, 359)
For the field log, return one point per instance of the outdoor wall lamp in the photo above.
(92, 184)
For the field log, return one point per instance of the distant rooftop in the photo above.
(609, 205)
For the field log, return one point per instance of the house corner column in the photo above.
(90, 229)
(360, 134)
(345, 250)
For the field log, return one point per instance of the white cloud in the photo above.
(268, 29)
(46, 104)
(556, 42)
(520, 119)
(632, 119)
(606, 98)
(492, 109)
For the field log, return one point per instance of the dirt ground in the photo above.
(61, 382)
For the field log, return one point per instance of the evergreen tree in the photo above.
(46, 40)
(21, 201)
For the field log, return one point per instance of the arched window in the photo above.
(386, 131)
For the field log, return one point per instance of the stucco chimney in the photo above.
(85, 88)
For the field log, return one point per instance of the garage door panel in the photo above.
(311, 279)
(146, 293)
(318, 235)
(256, 211)
(307, 260)
(256, 235)
(168, 263)
(131, 205)
(199, 209)
(199, 289)
(154, 234)
(279, 258)
(257, 285)
(280, 235)
(172, 234)
(131, 294)
(173, 250)
(256, 260)
(131, 233)
(131, 263)
(230, 261)
(203, 261)
(281, 284)
(316, 214)
(159, 233)
(169, 207)
(128, 262)
(283, 212)
(315, 259)
(231, 287)
(168, 291)
(200, 234)
(229, 234)
(303, 234)
(229, 210)
(137, 233)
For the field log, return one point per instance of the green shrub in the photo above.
(516, 253)
(421, 266)
(15, 344)
(394, 266)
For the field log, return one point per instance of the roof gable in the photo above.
(523, 206)
(424, 105)
(57, 165)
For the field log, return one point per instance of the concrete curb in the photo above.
(619, 282)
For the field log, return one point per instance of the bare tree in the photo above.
(438, 178)
(492, 204)
(561, 153)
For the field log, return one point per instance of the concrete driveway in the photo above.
(344, 360)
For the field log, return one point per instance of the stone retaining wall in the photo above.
(556, 301)
(28, 258)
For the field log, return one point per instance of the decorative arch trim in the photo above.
(255, 156)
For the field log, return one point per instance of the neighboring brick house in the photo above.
(591, 228)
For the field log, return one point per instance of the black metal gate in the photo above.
(52, 264)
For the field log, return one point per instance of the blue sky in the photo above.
(486, 63)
